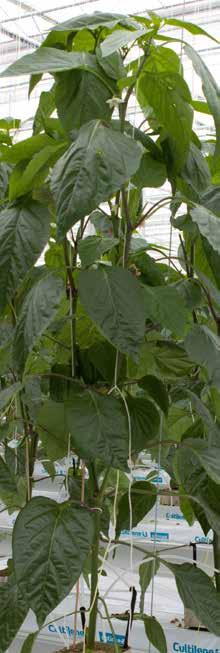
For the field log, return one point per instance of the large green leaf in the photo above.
(143, 496)
(193, 28)
(81, 97)
(203, 492)
(211, 199)
(95, 20)
(208, 224)
(38, 311)
(95, 166)
(99, 427)
(156, 390)
(203, 347)
(198, 594)
(207, 260)
(151, 173)
(51, 542)
(24, 231)
(164, 305)
(112, 64)
(26, 149)
(51, 60)
(208, 455)
(8, 393)
(196, 170)
(97, 424)
(155, 633)
(13, 609)
(147, 570)
(145, 422)
(113, 300)
(92, 248)
(169, 96)
(210, 90)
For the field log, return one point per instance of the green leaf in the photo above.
(204, 601)
(112, 64)
(112, 298)
(210, 198)
(157, 391)
(92, 248)
(196, 171)
(51, 422)
(171, 360)
(150, 271)
(51, 542)
(208, 454)
(190, 27)
(8, 394)
(147, 570)
(155, 633)
(190, 292)
(4, 178)
(29, 642)
(210, 90)
(81, 97)
(102, 355)
(24, 232)
(45, 108)
(95, 20)
(163, 304)
(119, 39)
(143, 497)
(50, 60)
(96, 165)
(38, 311)
(98, 426)
(207, 261)
(204, 494)
(208, 224)
(12, 488)
(200, 106)
(26, 149)
(25, 177)
(145, 422)
(151, 173)
(169, 96)
(203, 347)
(13, 609)
(9, 123)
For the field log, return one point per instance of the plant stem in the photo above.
(216, 552)
(94, 584)
(110, 624)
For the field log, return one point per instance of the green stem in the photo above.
(216, 552)
(110, 624)
(94, 584)
(104, 483)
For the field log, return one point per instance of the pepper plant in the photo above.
(110, 344)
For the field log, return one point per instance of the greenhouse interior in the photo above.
(110, 326)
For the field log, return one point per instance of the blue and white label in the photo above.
(159, 536)
(133, 533)
(178, 647)
(102, 637)
(176, 516)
